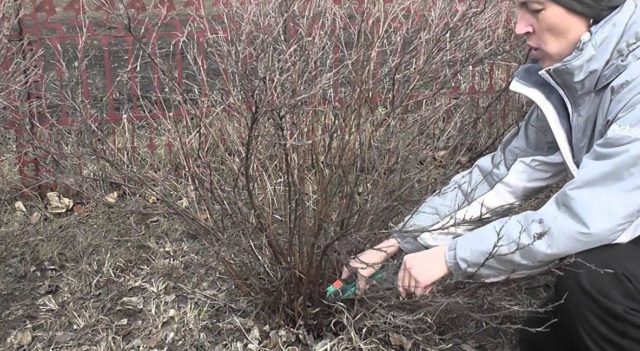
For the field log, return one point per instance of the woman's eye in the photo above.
(536, 11)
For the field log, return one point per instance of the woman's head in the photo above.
(553, 28)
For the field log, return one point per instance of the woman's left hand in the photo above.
(421, 270)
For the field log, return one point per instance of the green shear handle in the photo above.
(346, 288)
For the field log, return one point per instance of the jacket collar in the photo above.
(602, 54)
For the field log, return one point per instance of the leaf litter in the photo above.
(110, 278)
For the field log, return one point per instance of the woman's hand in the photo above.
(369, 262)
(421, 270)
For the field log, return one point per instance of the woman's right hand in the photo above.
(369, 262)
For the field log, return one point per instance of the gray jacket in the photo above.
(586, 124)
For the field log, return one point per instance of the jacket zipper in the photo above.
(550, 113)
(545, 74)
(555, 85)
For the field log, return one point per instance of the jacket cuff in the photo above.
(451, 259)
(408, 243)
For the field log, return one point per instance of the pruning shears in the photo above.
(346, 288)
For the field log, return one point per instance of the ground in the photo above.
(111, 278)
(130, 276)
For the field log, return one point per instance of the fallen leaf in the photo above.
(400, 340)
(286, 335)
(273, 341)
(50, 270)
(58, 203)
(48, 289)
(122, 322)
(135, 344)
(169, 315)
(254, 336)
(132, 302)
(151, 198)
(62, 337)
(35, 217)
(440, 155)
(203, 216)
(22, 338)
(152, 341)
(111, 198)
(79, 209)
(123, 331)
(464, 160)
(20, 207)
(184, 203)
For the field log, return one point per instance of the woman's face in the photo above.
(552, 31)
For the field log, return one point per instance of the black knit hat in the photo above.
(594, 9)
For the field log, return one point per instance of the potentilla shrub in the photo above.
(324, 123)
(302, 131)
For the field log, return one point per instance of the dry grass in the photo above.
(309, 130)
(113, 278)
(130, 276)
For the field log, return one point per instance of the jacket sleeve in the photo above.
(599, 206)
(527, 160)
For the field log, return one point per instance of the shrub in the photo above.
(16, 63)
(299, 132)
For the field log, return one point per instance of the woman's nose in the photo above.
(523, 26)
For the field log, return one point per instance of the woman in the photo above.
(585, 60)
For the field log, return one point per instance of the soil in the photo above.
(130, 276)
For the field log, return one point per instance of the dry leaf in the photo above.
(152, 341)
(58, 203)
(286, 335)
(135, 344)
(254, 335)
(111, 198)
(184, 203)
(464, 160)
(122, 322)
(62, 337)
(203, 216)
(132, 302)
(35, 217)
(22, 338)
(273, 341)
(151, 198)
(79, 209)
(400, 340)
(48, 289)
(440, 155)
(20, 207)
(169, 315)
